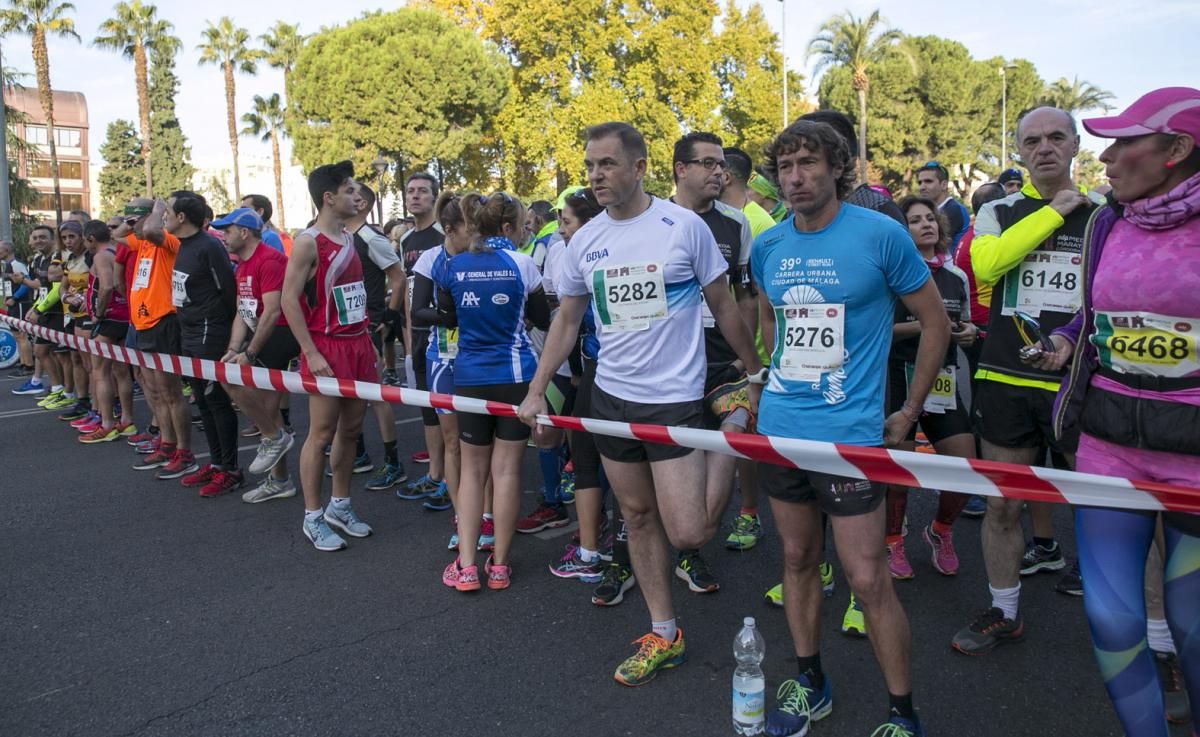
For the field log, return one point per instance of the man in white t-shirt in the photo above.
(644, 263)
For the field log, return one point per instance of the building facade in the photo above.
(71, 139)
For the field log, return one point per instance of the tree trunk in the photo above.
(862, 135)
(278, 178)
(231, 121)
(143, 96)
(41, 63)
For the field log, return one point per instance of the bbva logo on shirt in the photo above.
(470, 300)
(499, 299)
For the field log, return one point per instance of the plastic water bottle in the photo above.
(749, 684)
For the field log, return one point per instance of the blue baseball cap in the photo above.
(243, 217)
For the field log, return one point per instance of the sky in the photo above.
(1114, 46)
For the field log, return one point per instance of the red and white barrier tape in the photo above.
(915, 470)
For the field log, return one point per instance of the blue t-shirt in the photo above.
(271, 238)
(490, 289)
(859, 262)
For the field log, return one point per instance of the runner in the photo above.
(933, 182)
(1011, 180)
(18, 299)
(73, 294)
(108, 310)
(1132, 392)
(542, 223)
(1026, 246)
(826, 319)
(324, 301)
(488, 293)
(204, 294)
(45, 273)
(260, 337)
(699, 171)
(651, 366)
(863, 195)
(261, 205)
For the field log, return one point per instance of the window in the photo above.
(45, 202)
(66, 169)
(36, 134)
(65, 137)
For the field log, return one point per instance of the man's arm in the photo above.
(153, 229)
(106, 277)
(237, 338)
(995, 253)
(747, 307)
(272, 306)
(731, 324)
(299, 267)
(766, 317)
(926, 305)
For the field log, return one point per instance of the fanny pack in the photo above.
(1147, 424)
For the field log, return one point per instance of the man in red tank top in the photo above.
(109, 311)
(325, 303)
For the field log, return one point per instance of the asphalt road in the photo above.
(132, 607)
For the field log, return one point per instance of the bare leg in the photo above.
(633, 483)
(104, 391)
(341, 456)
(747, 472)
(476, 467)
(322, 426)
(453, 456)
(506, 478)
(176, 409)
(1003, 539)
(799, 528)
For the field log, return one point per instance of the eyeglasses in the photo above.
(708, 164)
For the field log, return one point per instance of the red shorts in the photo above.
(349, 358)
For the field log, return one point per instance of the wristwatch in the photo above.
(251, 356)
(759, 377)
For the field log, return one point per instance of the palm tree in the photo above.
(266, 121)
(133, 29)
(283, 44)
(1076, 96)
(39, 19)
(859, 44)
(227, 46)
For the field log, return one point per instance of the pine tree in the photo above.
(122, 177)
(170, 155)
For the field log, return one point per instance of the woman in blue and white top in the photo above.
(488, 293)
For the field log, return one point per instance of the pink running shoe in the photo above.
(499, 577)
(461, 578)
(898, 563)
(945, 560)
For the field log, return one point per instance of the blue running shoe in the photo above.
(419, 489)
(898, 726)
(30, 388)
(362, 464)
(439, 501)
(797, 706)
(976, 507)
(566, 488)
(387, 477)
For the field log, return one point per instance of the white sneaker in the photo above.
(270, 489)
(346, 520)
(270, 450)
(319, 534)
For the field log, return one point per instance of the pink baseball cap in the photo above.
(1168, 110)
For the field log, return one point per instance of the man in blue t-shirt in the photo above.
(828, 280)
(262, 206)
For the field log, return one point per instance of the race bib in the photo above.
(179, 288)
(141, 279)
(248, 310)
(6, 288)
(412, 282)
(1046, 281)
(1147, 344)
(351, 303)
(629, 298)
(447, 343)
(811, 340)
(42, 293)
(943, 397)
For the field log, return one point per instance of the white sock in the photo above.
(341, 503)
(665, 630)
(587, 556)
(312, 515)
(1158, 636)
(1006, 600)
(487, 516)
(56, 388)
(410, 377)
(35, 380)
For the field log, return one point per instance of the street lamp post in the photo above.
(783, 43)
(380, 165)
(1004, 114)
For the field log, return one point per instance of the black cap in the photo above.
(1010, 175)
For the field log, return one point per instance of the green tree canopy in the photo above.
(427, 92)
(121, 178)
(170, 156)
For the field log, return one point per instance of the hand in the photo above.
(242, 359)
(964, 333)
(533, 405)
(229, 356)
(1050, 360)
(317, 365)
(32, 316)
(895, 429)
(1065, 202)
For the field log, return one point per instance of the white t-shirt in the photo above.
(550, 270)
(651, 343)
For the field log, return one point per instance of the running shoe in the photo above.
(544, 517)
(693, 569)
(774, 595)
(453, 544)
(572, 566)
(976, 507)
(362, 464)
(566, 488)
(77, 411)
(390, 378)
(343, 518)
(1037, 559)
(1175, 698)
(826, 570)
(487, 535)
(251, 431)
(420, 457)
(62, 401)
(899, 726)
(87, 418)
(141, 437)
(439, 501)
(387, 477)
(419, 489)
(29, 389)
(499, 576)
(92, 425)
(223, 482)
(615, 580)
(747, 531)
(127, 429)
(989, 629)
(1071, 582)
(270, 488)
(181, 464)
(20, 372)
(156, 459)
(319, 534)
(898, 564)
(944, 558)
(797, 706)
(463, 578)
(202, 476)
(853, 623)
(100, 435)
(137, 389)
(653, 654)
(270, 450)
(53, 395)
(148, 447)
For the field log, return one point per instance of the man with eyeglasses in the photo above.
(933, 182)
(699, 170)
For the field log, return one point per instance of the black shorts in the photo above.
(50, 321)
(584, 455)
(279, 350)
(1018, 417)
(936, 426)
(113, 331)
(420, 339)
(82, 325)
(376, 338)
(838, 496)
(678, 414)
(477, 429)
(161, 337)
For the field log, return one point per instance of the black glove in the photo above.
(446, 308)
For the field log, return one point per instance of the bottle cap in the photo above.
(748, 621)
